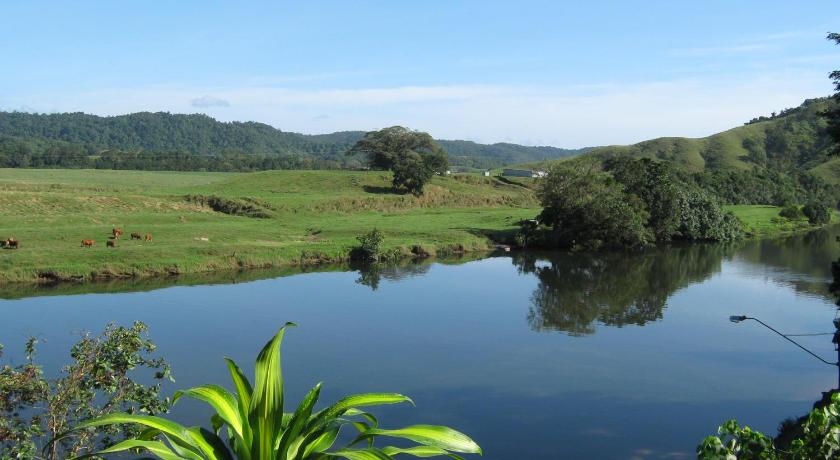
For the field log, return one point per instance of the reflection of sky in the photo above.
(458, 341)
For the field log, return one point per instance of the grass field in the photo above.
(763, 221)
(314, 216)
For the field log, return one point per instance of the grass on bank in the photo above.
(763, 221)
(313, 216)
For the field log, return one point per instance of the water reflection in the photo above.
(616, 289)
(799, 261)
(372, 273)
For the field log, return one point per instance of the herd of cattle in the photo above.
(116, 233)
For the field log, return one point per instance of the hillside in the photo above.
(794, 140)
(159, 134)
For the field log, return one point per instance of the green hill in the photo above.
(69, 139)
(794, 139)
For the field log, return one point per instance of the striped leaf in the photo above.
(432, 435)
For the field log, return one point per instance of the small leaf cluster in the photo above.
(103, 377)
(819, 439)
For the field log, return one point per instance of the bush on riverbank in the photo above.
(630, 204)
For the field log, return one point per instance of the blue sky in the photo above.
(568, 74)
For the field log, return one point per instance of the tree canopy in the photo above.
(630, 203)
(413, 156)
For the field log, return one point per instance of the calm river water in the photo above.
(533, 355)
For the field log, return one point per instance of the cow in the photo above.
(111, 243)
(11, 243)
(88, 243)
(148, 237)
(136, 236)
(117, 232)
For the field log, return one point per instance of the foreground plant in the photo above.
(104, 376)
(817, 437)
(257, 428)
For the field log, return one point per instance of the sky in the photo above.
(562, 73)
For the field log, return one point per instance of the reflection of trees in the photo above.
(371, 273)
(617, 289)
(804, 259)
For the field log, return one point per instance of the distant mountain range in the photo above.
(204, 136)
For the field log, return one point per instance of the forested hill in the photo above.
(779, 159)
(792, 140)
(66, 139)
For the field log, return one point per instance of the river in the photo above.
(534, 355)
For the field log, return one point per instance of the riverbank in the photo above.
(221, 222)
(762, 221)
(208, 222)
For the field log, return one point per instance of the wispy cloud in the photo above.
(204, 102)
(565, 116)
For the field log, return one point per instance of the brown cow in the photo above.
(11, 243)
(88, 243)
(111, 243)
(136, 236)
(117, 232)
(148, 237)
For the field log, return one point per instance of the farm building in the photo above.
(523, 173)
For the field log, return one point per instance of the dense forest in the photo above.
(164, 141)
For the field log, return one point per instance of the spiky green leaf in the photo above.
(266, 409)
(432, 435)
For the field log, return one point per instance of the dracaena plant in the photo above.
(253, 422)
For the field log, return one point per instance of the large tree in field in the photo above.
(834, 113)
(413, 156)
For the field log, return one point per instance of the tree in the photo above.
(413, 156)
(652, 182)
(587, 208)
(817, 213)
(411, 173)
(833, 114)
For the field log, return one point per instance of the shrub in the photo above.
(702, 219)
(99, 381)
(248, 207)
(256, 427)
(791, 212)
(369, 246)
(819, 438)
(817, 213)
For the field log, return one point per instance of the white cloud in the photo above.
(565, 116)
(209, 101)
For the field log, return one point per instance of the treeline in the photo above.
(137, 137)
(17, 153)
(765, 186)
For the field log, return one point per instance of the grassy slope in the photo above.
(726, 150)
(316, 215)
